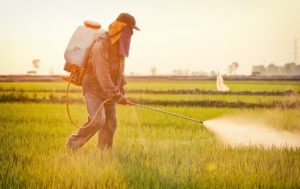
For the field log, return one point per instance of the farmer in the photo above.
(104, 79)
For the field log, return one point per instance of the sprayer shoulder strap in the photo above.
(98, 38)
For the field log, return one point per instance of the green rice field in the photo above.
(151, 150)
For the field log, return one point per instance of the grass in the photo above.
(150, 150)
(159, 152)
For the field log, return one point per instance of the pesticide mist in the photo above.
(238, 131)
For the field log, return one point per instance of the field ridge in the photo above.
(20, 97)
(181, 91)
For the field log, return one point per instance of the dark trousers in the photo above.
(105, 123)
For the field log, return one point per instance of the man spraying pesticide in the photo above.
(95, 58)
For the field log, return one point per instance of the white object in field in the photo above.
(220, 84)
(77, 51)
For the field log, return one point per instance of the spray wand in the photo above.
(169, 113)
(134, 104)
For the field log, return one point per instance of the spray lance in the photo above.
(133, 104)
(168, 113)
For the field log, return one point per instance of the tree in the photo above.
(272, 69)
(289, 68)
(36, 63)
(233, 67)
(258, 70)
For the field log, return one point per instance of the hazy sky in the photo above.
(195, 35)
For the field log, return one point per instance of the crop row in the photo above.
(141, 91)
(174, 97)
(168, 85)
(22, 97)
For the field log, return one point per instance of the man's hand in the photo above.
(128, 102)
(124, 101)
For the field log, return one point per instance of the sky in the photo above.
(194, 35)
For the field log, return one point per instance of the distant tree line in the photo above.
(272, 69)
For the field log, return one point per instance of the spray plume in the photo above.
(242, 131)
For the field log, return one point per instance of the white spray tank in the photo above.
(78, 50)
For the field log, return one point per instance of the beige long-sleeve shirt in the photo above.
(98, 78)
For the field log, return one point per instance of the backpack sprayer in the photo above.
(78, 50)
(77, 55)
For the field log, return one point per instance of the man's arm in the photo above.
(123, 83)
(101, 70)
